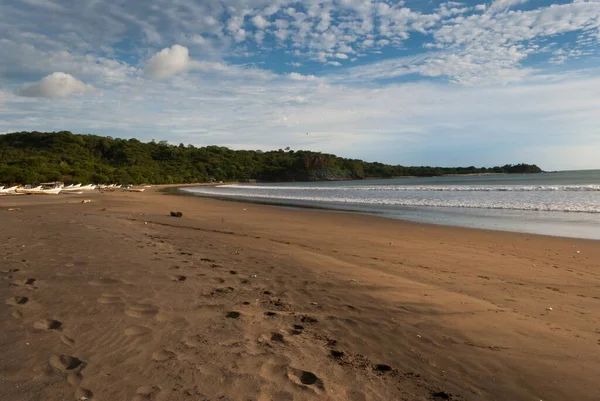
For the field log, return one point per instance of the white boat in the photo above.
(134, 189)
(79, 188)
(8, 190)
(50, 191)
(71, 192)
(38, 191)
(88, 187)
(27, 190)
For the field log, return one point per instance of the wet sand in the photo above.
(117, 300)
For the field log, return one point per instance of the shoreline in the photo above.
(212, 303)
(174, 190)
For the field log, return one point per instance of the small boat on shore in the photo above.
(24, 190)
(134, 189)
(89, 187)
(6, 191)
(38, 191)
(79, 188)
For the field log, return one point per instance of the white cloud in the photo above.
(240, 35)
(484, 46)
(299, 77)
(260, 22)
(168, 62)
(499, 5)
(56, 85)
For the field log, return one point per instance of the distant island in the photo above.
(34, 157)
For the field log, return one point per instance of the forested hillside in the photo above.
(33, 157)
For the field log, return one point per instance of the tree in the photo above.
(32, 157)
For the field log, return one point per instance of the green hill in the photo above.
(33, 157)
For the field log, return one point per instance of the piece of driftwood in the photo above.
(176, 214)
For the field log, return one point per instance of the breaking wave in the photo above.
(418, 196)
(427, 188)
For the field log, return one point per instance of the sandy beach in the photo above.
(117, 300)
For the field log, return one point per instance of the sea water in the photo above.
(563, 203)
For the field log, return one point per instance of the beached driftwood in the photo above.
(176, 214)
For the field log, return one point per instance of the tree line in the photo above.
(34, 157)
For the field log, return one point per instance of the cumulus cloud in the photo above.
(498, 5)
(56, 85)
(260, 22)
(299, 77)
(168, 62)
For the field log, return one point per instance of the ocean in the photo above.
(565, 203)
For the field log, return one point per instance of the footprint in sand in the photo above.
(296, 330)
(308, 319)
(335, 354)
(141, 310)
(18, 300)
(441, 395)
(178, 278)
(48, 324)
(278, 337)
(25, 282)
(222, 290)
(66, 363)
(135, 331)
(305, 378)
(381, 367)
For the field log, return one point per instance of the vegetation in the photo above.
(34, 157)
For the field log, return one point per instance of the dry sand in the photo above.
(116, 300)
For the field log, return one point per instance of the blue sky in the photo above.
(414, 82)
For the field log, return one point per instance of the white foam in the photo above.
(426, 188)
(533, 203)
